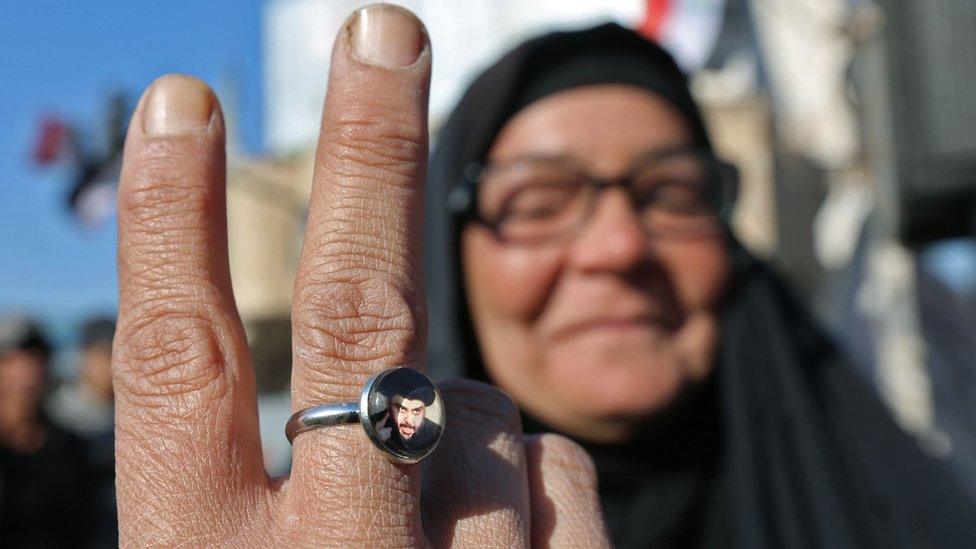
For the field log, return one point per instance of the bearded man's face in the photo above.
(409, 416)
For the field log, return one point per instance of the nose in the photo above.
(613, 239)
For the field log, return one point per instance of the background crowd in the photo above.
(56, 440)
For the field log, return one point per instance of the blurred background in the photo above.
(852, 122)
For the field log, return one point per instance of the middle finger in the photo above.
(358, 296)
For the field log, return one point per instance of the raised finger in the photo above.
(185, 398)
(565, 505)
(475, 488)
(358, 300)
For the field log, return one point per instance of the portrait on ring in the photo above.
(406, 413)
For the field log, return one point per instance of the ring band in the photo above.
(400, 410)
(323, 415)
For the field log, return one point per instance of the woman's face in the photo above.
(596, 333)
(22, 380)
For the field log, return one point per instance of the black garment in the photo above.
(104, 512)
(46, 497)
(784, 446)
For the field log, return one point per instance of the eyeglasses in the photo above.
(676, 192)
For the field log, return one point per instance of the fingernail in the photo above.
(386, 35)
(176, 105)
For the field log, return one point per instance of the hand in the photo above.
(189, 465)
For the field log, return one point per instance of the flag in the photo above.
(92, 198)
(52, 142)
(688, 29)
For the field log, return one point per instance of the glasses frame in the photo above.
(462, 201)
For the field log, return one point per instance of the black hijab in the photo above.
(784, 446)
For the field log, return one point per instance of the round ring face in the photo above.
(403, 414)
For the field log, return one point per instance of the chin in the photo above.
(620, 387)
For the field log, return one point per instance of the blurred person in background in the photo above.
(45, 479)
(86, 406)
(578, 256)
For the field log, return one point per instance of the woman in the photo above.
(578, 258)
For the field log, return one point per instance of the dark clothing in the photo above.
(948, 322)
(46, 497)
(78, 410)
(101, 452)
(784, 446)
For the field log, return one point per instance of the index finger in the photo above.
(358, 297)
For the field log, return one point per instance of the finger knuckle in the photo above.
(344, 252)
(563, 454)
(480, 402)
(154, 269)
(354, 320)
(160, 354)
(386, 143)
(163, 188)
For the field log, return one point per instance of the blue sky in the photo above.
(65, 59)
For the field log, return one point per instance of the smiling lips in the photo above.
(612, 308)
(610, 323)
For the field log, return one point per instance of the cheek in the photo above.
(507, 286)
(507, 290)
(19, 374)
(697, 269)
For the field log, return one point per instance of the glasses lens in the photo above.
(679, 194)
(533, 200)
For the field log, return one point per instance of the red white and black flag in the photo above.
(53, 141)
(688, 29)
(95, 170)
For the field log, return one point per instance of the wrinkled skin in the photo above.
(189, 464)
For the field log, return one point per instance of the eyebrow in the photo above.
(579, 163)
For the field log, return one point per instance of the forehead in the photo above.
(603, 126)
(407, 403)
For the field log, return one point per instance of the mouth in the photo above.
(622, 325)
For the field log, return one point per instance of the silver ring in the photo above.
(400, 409)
